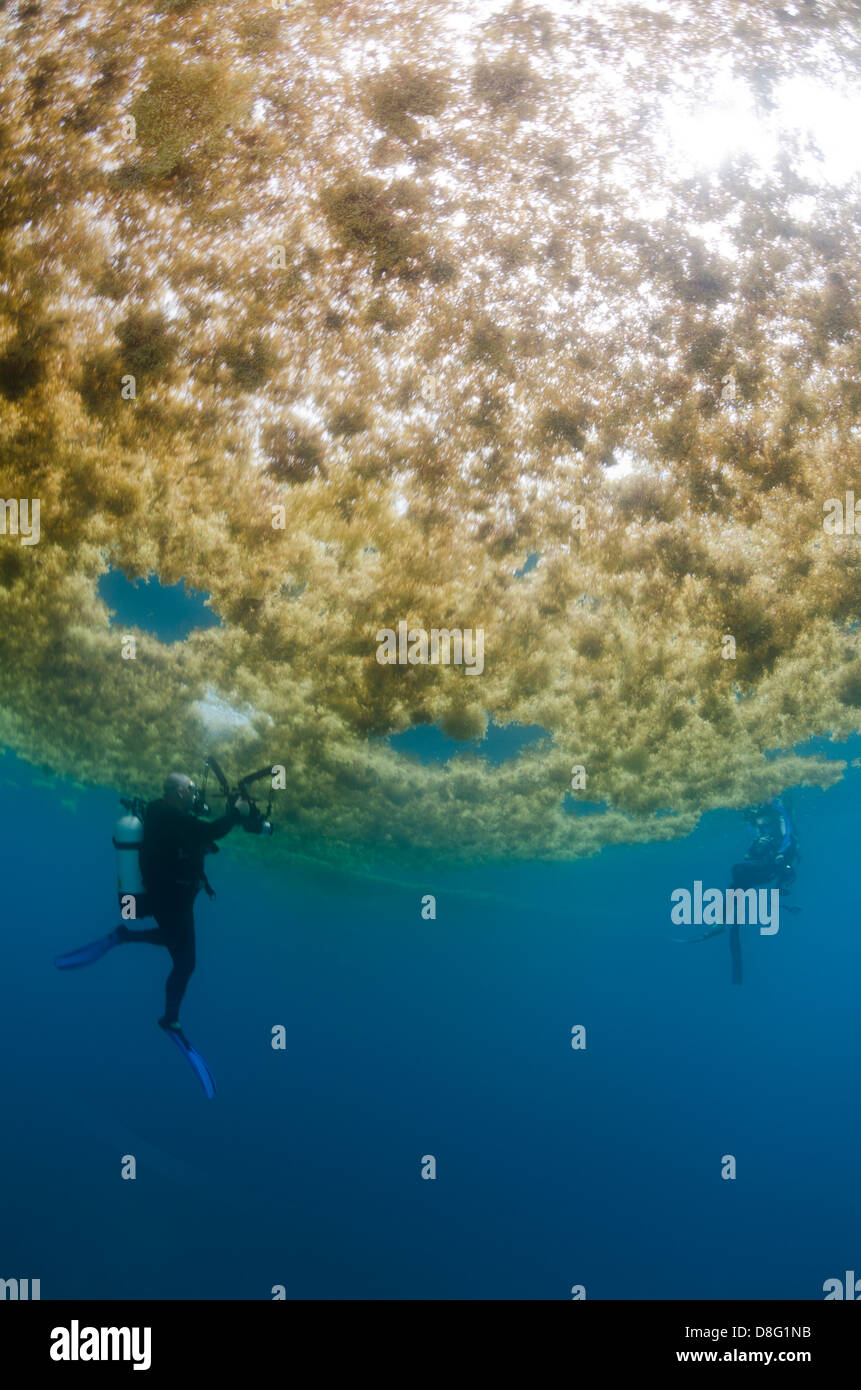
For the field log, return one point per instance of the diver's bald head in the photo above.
(178, 789)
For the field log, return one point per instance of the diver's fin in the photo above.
(688, 940)
(85, 955)
(203, 1073)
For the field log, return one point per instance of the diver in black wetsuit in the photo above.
(771, 858)
(171, 862)
(171, 855)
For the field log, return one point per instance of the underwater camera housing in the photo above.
(257, 822)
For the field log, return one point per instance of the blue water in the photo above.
(406, 1038)
(429, 744)
(169, 611)
(449, 1038)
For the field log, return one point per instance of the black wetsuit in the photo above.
(174, 845)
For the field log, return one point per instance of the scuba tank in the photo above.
(127, 840)
(787, 854)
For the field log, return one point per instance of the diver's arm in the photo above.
(205, 831)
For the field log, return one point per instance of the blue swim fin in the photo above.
(85, 955)
(194, 1057)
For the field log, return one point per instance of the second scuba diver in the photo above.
(770, 859)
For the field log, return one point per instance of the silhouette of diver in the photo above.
(770, 859)
(174, 844)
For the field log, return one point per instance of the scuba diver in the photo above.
(165, 843)
(770, 859)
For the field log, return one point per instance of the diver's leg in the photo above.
(735, 953)
(121, 935)
(153, 936)
(181, 947)
(747, 874)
